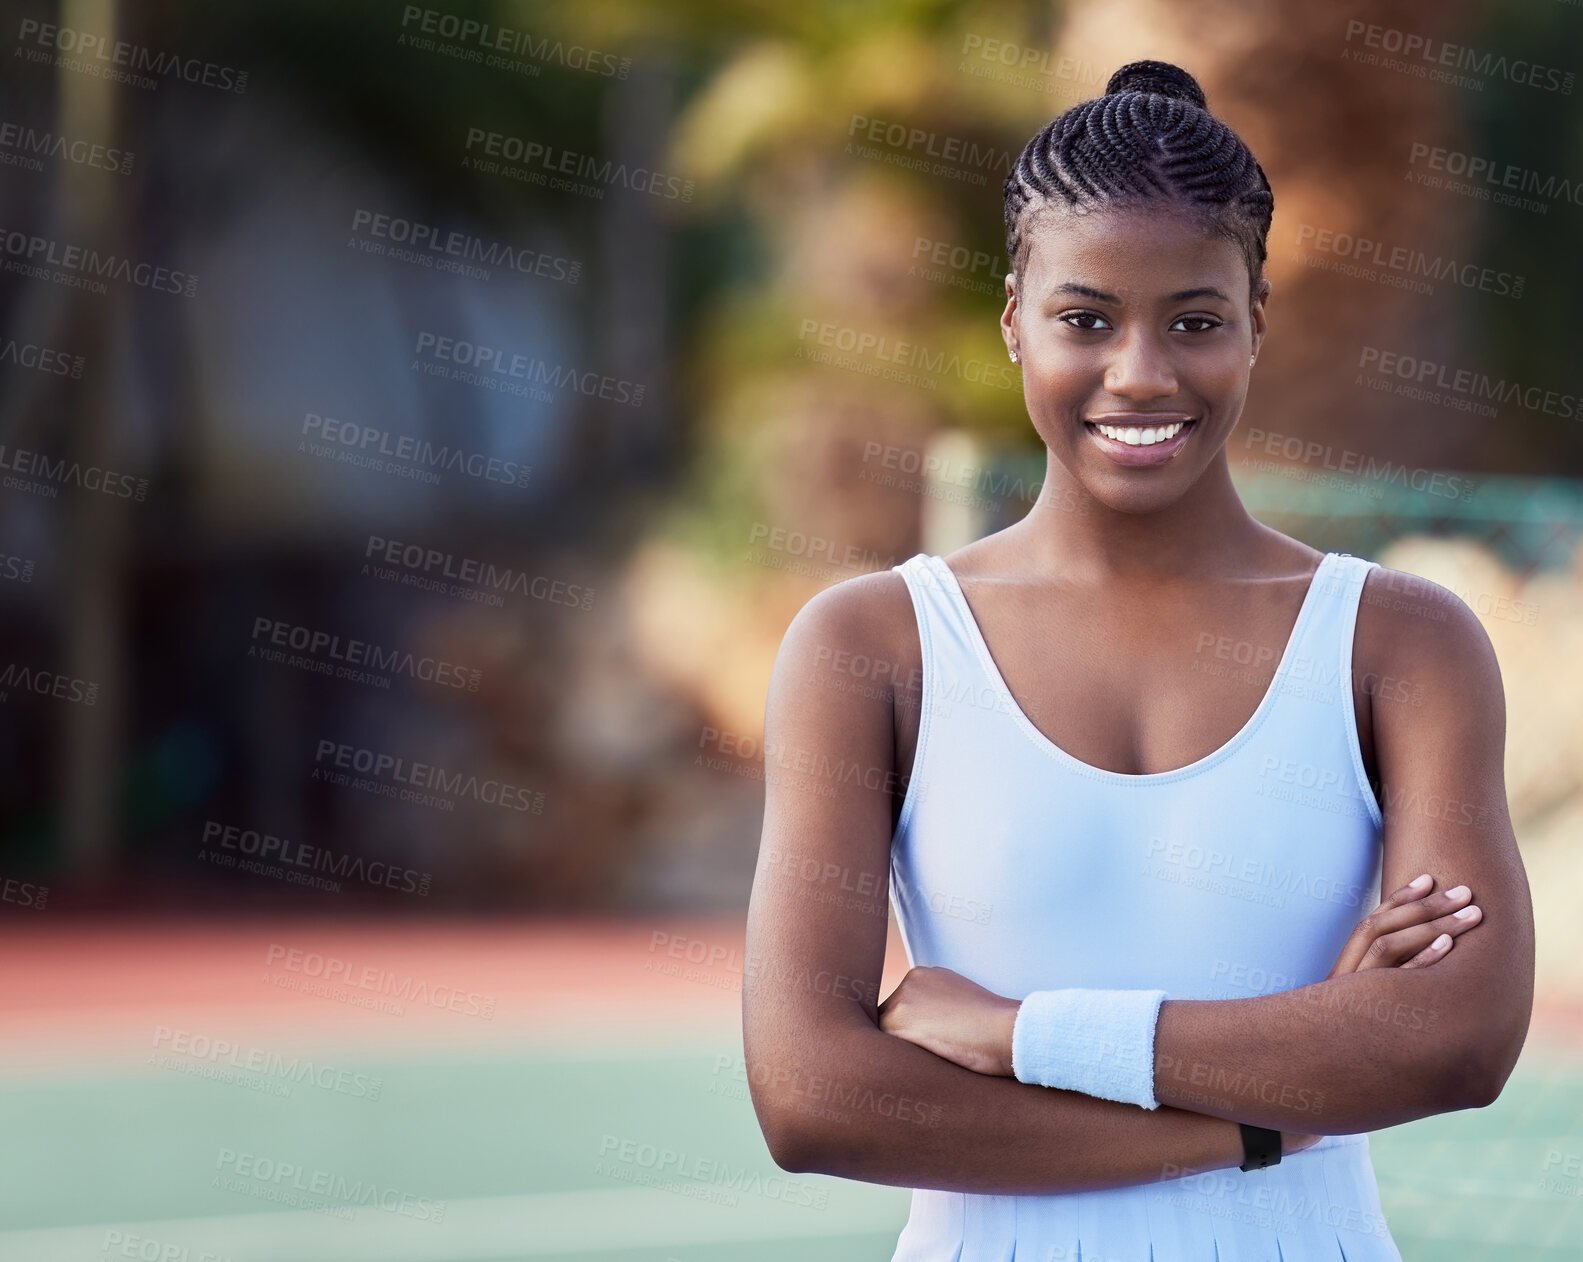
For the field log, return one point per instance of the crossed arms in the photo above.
(837, 1094)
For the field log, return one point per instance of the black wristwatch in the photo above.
(1260, 1147)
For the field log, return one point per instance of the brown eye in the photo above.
(1071, 317)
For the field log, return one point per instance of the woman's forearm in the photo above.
(864, 1105)
(1358, 1052)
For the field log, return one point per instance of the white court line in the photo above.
(531, 1225)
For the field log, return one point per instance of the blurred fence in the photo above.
(1531, 524)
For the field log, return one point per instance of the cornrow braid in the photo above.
(1150, 137)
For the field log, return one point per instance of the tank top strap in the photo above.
(1317, 666)
(948, 637)
(1321, 645)
(1316, 663)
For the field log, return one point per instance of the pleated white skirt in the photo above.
(1318, 1205)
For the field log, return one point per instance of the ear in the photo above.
(1008, 317)
(1260, 324)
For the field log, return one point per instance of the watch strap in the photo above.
(1261, 1147)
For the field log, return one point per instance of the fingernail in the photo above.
(1420, 883)
(1468, 912)
(1459, 891)
(1441, 943)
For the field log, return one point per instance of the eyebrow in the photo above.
(1181, 295)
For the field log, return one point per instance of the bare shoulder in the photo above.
(830, 721)
(845, 657)
(1427, 640)
(869, 615)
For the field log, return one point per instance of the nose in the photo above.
(1140, 369)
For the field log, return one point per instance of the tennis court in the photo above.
(454, 1094)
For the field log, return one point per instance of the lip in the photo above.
(1144, 457)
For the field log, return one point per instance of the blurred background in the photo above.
(418, 425)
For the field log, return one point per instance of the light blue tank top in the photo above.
(1242, 874)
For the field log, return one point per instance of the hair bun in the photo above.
(1160, 78)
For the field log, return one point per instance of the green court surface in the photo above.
(545, 1156)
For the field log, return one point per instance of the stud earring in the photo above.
(1251, 358)
(1014, 358)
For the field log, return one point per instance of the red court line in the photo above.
(99, 992)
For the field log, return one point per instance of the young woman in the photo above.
(1137, 768)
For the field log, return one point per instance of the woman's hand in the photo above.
(958, 1020)
(1412, 928)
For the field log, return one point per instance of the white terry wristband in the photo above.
(1099, 1042)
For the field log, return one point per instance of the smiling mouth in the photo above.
(1139, 439)
(1140, 435)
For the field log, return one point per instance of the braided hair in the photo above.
(1150, 138)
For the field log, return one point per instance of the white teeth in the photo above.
(1135, 437)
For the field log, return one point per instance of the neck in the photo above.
(1207, 531)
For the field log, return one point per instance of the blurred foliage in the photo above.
(1541, 132)
(766, 97)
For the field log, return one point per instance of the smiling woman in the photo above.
(1168, 981)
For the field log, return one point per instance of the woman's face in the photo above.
(1134, 330)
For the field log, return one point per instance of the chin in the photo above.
(1128, 495)
(1137, 492)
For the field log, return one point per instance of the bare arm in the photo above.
(832, 1091)
(1377, 1048)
